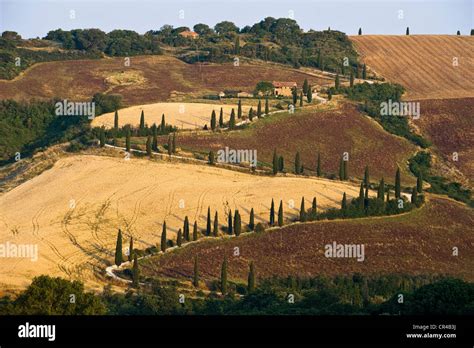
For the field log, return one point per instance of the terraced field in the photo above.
(423, 64)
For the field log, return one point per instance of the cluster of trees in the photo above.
(390, 294)
(231, 124)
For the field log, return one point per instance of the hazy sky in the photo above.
(32, 18)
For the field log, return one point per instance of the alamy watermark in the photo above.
(394, 108)
(336, 250)
(69, 108)
(237, 156)
(12, 250)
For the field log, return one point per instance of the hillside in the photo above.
(415, 243)
(148, 79)
(75, 208)
(423, 64)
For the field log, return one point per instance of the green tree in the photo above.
(130, 250)
(229, 222)
(221, 119)
(170, 146)
(364, 72)
(414, 196)
(211, 158)
(360, 31)
(314, 207)
(297, 163)
(408, 31)
(163, 238)
(148, 146)
(208, 225)
(237, 45)
(237, 223)
(305, 86)
(344, 205)
(272, 213)
(337, 82)
(251, 279)
(163, 123)
(280, 214)
(251, 220)
(232, 119)
(397, 184)
(155, 138)
(118, 249)
(281, 164)
(259, 108)
(341, 169)
(309, 94)
(127, 141)
(195, 231)
(224, 276)
(266, 106)
(102, 137)
(215, 231)
(329, 95)
(135, 273)
(179, 238)
(186, 229)
(419, 182)
(239, 109)
(366, 177)
(381, 190)
(294, 95)
(142, 123)
(196, 272)
(213, 120)
(318, 165)
(251, 114)
(361, 199)
(275, 162)
(174, 142)
(302, 211)
(116, 121)
(301, 99)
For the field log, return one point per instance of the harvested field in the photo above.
(330, 132)
(418, 242)
(73, 210)
(423, 64)
(449, 124)
(181, 115)
(154, 77)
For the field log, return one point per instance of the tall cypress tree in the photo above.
(294, 95)
(301, 99)
(381, 191)
(232, 119)
(251, 278)
(142, 123)
(341, 169)
(419, 182)
(309, 95)
(305, 86)
(163, 123)
(251, 220)
(337, 82)
(360, 31)
(224, 276)
(237, 223)
(314, 207)
(186, 229)
(364, 72)
(208, 225)
(239, 109)
(195, 231)
(318, 166)
(211, 157)
(366, 199)
(407, 31)
(196, 272)
(297, 163)
(148, 146)
(163, 238)
(361, 200)
(127, 140)
(102, 137)
(174, 142)
(259, 108)
(229, 222)
(213, 120)
(221, 119)
(251, 114)
(302, 211)
(215, 231)
(388, 195)
(135, 273)
(118, 249)
(155, 138)
(116, 121)
(272, 213)
(414, 195)
(266, 106)
(275, 162)
(344, 205)
(397, 184)
(179, 238)
(130, 250)
(281, 164)
(280, 214)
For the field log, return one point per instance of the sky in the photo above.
(34, 18)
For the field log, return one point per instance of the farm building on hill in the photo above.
(189, 34)
(283, 88)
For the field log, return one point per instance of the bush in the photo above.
(259, 228)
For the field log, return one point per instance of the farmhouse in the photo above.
(189, 34)
(283, 88)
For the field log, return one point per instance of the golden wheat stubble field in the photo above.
(73, 211)
(424, 64)
(181, 115)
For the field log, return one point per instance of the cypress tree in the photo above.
(232, 119)
(344, 205)
(155, 138)
(408, 31)
(163, 238)
(208, 225)
(239, 109)
(318, 166)
(251, 279)
(419, 182)
(275, 162)
(381, 191)
(302, 211)
(224, 276)
(397, 184)
(186, 229)
(301, 99)
(127, 140)
(294, 95)
(142, 123)
(329, 95)
(361, 200)
(102, 137)
(196, 272)
(281, 164)
(174, 142)
(221, 118)
(179, 238)
(266, 106)
(351, 83)
(215, 231)
(229, 222)
(364, 72)
(337, 82)
(360, 31)
(251, 114)
(259, 108)
(252, 220)
(472, 32)
(297, 163)
(170, 146)
(305, 86)
(163, 123)
(195, 231)
(388, 195)
(237, 223)
(366, 177)
(314, 207)
(414, 195)
(309, 95)
(366, 199)
(237, 45)
(213, 120)
(118, 249)
(116, 121)
(211, 157)
(280, 214)
(272, 213)
(135, 273)
(130, 250)
(148, 146)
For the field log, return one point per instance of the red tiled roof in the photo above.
(283, 84)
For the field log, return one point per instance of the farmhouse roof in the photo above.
(190, 34)
(284, 84)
